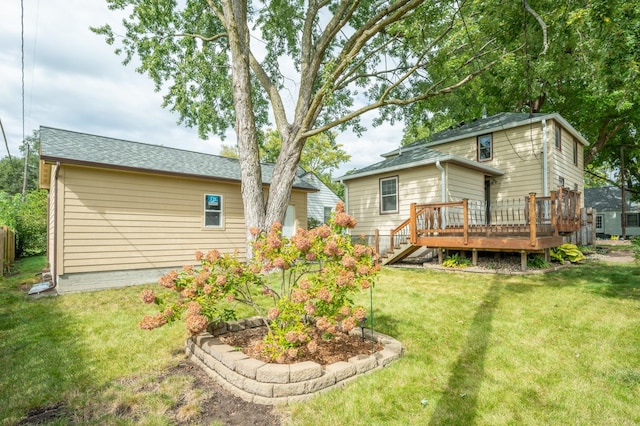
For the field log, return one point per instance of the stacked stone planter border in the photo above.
(270, 384)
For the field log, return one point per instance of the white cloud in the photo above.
(74, 81)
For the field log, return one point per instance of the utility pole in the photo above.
(25, 172)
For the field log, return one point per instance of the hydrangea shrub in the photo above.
(319, 271)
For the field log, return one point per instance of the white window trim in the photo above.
(204, 212)
(397, 195)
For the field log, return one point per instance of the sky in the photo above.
(74, 81)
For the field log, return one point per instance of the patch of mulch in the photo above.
(340, 347)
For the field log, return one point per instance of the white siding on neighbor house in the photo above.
(325, 197)
(612, 224)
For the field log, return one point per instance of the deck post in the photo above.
(413, 225)
(474, 257)
(532, 219)
(465, 218)
(523, 260)
(554, 213)
(376, 241)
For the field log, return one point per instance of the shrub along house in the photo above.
(509, 182)
(123, 213)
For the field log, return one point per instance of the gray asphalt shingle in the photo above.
(64, 145)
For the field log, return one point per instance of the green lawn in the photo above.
(561, 348)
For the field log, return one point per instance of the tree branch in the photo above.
(543, 25)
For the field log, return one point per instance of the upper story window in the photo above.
(212, 211)
(576, 147)
(389, 195)
(558, 138)
(485, 147)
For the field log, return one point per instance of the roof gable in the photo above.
(608, 199)
(80, 148)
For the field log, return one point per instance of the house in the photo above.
(470, 186)
(320, 203)
(123, 212)
(607, 202)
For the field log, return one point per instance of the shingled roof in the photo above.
(608, 199)
(418, 157)
(80, 148)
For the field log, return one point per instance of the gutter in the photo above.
(54, 271)
(443, 197)
(545, 160)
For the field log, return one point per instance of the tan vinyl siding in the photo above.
(119, 221)
(562, 165)
(464, 183)
(417, 185)
(299, 200)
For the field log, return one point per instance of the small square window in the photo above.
(212, 211)
(485, 147)
(561, 181)
(632, 219)
(389, 195)
(599, 221)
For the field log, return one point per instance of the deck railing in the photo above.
(528, 216)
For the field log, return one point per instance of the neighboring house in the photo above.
(494, 162)
(123, 213)
(607, 203)
(321, 203)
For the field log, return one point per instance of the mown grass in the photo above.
(560, 348)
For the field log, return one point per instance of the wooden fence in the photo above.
(7, 248)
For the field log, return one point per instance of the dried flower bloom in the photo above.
(323, 323)
(188, 293)
(330, 248)
(348, 324)
(273, 241)
(345, 220)
(359, 313)
(340, 207)
(348, 261)
(365, 284)
(151, 322)
(324, 294)
(299, 295)
(280, 263)
(196, 324)
(345, 278)
(292, 353)
(221, 280)
(304, 284)
(310, 257)
(310, 308)
(168, 313)
(193, 308)
(360, 250)
(273, 313)
(213, 255)
(254, 231)
(363, 269)
(291, 336)
(345, 311)
(322, 231)
(148, 296)
(312, 346)
(231, 298)
(201, 278)
(207, 289)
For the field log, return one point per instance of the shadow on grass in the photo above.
(40, 357)
(458, 404)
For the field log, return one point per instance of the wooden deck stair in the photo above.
(398, 253)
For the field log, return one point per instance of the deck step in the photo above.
(399, 253)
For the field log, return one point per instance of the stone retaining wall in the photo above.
(265, 383)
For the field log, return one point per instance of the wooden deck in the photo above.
(529, 224)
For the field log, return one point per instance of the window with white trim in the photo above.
(327, 214)
(575, 153)
(559, 138)
(389, 195)
(599, 221)
(633, 219)
(212, 211)
(485, 147)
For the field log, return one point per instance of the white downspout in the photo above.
(443, 197)
(545, 162)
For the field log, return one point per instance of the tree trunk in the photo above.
(235, 13)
